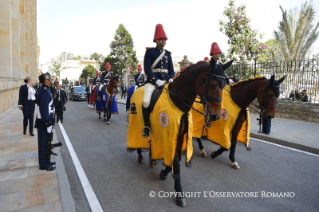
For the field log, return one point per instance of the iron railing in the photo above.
(300, 75)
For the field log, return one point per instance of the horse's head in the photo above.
(114, 83)
(211, 91)
(267, 97)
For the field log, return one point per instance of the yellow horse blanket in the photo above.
(220, 130)
(165, 122)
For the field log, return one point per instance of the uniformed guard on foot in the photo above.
(44, 122)
(139, 78)
(159, 70)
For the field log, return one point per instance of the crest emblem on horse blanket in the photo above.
(165, 122)
(220, 130)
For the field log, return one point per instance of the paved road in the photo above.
(121, 184)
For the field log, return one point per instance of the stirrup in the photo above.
(144, 133)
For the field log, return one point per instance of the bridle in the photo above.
(263, 106)
(206, 97)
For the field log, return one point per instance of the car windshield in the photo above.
(79, 89)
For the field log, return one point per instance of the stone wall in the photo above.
(301, 111)
(19, 50)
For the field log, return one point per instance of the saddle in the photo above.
(155, 95)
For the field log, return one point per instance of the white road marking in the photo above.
(88, 190)
(297, 150)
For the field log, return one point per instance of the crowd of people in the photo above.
(297, 96)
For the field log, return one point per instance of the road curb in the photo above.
(64, 185)
(286, 143)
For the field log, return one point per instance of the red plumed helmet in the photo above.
(159, 33)
(215, 49)
(82, 78)
(66, 78)
(206, 58)
(97, 73)
(139, 67)
(107, 65)
(56, 79)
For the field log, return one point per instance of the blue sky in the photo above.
(87, 26)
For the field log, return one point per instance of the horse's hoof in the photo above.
(181, 202)
(152, 165)
(235, 165)
(212, 155)
(203, 153)
(140, 160)
(162, 176)
(108, 123)
(104, 119)
(99, 117)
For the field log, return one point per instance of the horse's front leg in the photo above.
(241, 119)
(104, 115)
(180, 199)
(108, 117)
(99, 115)
(201, 148)
(140, 158)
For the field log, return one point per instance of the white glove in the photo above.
(230, 81)
(170, 80)
(49, 129)
(160, 83)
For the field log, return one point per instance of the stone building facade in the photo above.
(19, 50)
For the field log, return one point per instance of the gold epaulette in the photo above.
(147, 48)
(168, 51)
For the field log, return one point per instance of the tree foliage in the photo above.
(88, 71)
(97, 57)
(270, 53)
(242, 39)
(115, 65)
(56, 62)
(122, 49)
(296, 32)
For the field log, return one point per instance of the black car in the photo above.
(78, 93)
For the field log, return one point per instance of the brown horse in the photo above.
(106, 94)
(207, 81)
(266, 91)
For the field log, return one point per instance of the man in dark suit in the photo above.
(123, 89)
(27, 104)
(88, 93)
(59, 102)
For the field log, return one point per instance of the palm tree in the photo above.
(296, 34)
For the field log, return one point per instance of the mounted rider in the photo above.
(215, 52)
(106, 75)
(97, 79)
(139, 78)
(159, 70)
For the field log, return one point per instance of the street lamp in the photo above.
(256, 54)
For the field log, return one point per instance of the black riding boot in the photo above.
(146, 117)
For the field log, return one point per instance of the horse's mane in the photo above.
(274, 86)
(188, 69)
(247, 80)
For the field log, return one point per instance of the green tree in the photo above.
(97, 57)
(296, 34)
(242, 39)
(56, 63)
(88, 71)
(122, 49)
(77, 57)
(114, 62)
(270, 53)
